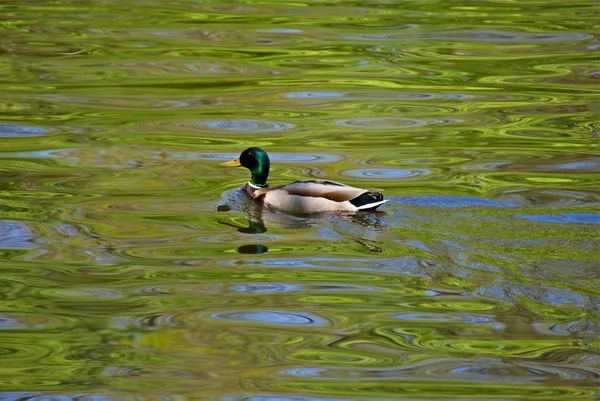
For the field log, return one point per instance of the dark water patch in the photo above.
(253, 249)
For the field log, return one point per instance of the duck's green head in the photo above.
(257, 161)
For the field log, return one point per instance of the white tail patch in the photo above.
(371, 205)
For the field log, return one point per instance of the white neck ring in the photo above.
(254, 186)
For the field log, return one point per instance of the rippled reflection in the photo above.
(17, 131)
(383, 173)
(131, 266)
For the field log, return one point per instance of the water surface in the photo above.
(131, 266)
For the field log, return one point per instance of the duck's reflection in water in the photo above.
(361, 228)
(253, 249)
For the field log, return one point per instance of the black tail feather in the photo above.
(364, 200)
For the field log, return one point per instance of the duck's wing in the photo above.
(331, 190)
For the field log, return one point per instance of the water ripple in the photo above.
(564, 218)
(385, 173)
(246, 125)
(15, 234)
(273, 318)
(228, 125)
(192, 67)
(11, 347)
(273, 156)
(33, 322)
(20, 131)
(382, 123)
(414, 338)
(476, 36)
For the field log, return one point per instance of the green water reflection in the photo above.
(131, 266)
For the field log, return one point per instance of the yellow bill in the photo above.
(232, 163)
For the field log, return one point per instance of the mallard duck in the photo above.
(301, 197)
